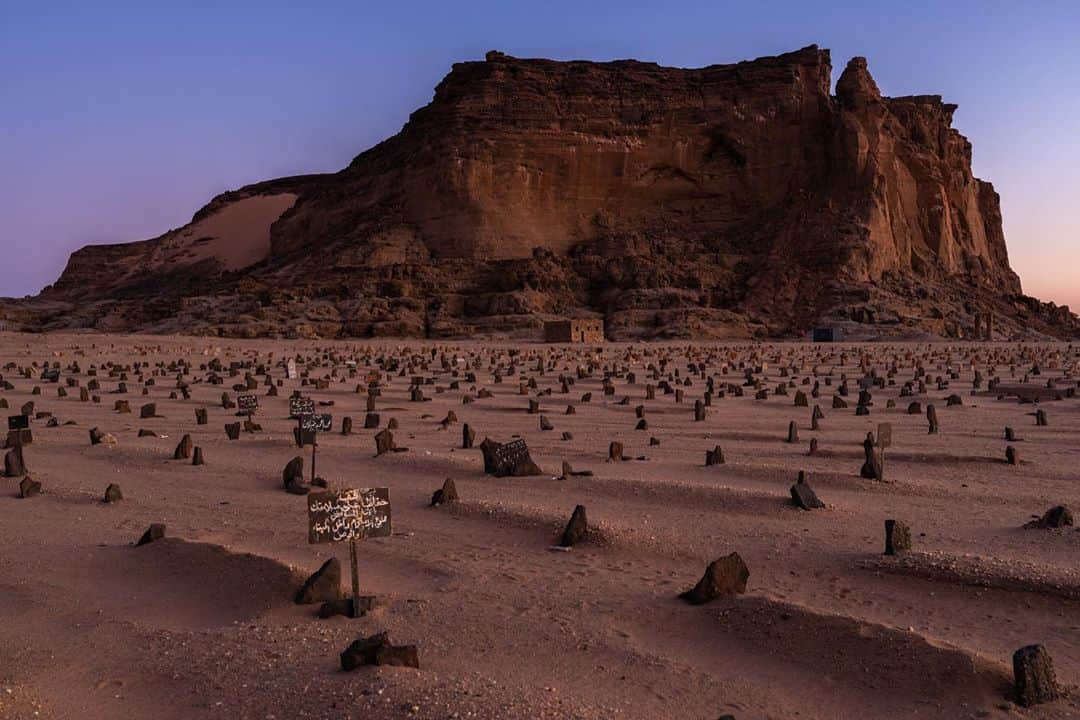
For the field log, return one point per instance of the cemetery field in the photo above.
(512, 614)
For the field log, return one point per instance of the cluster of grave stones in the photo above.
(674, 371)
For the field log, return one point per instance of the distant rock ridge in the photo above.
(738, 200)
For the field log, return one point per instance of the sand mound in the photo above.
(180, 584)
(861, 654)
(983, 572)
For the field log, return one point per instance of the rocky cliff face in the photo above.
(731, 200)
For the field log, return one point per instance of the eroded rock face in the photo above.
(731, 200)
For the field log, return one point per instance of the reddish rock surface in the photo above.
(728, 201)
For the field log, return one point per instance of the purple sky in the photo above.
(118, 120)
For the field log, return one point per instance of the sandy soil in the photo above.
(202, 624)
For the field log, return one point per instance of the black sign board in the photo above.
(18, 422)
(247, 403)
(509, 455)
(320, 422)
(299, 407)
(348, 515)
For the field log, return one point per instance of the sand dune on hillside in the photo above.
(238, 235)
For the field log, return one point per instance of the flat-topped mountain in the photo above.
(726, 201)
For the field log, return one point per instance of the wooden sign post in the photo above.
(298, 408)
(884, 440)
(314, 424)
(248, 404)
(349, 515)
(19, 430)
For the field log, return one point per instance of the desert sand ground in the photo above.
(202, 624)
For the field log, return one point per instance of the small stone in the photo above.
(931, 419)
(293, 472)
(384, 442)
(113, 494)
(726, 576)
(154, 532)
(802, 496)
(29, 487)
(714, 456)
(14, 463)
(183, 450)
(1058, 516)
(445, 495)
(872, 468)
(897, 537)
(324, 585)
(577, 529)
(377, 650)
(1034, 681)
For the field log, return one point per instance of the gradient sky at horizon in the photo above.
(118, 120)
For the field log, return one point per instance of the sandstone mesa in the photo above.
(740, 200)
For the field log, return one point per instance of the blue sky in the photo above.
(119, 119)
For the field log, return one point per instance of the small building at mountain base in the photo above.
(574, 331)
(828, 334)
